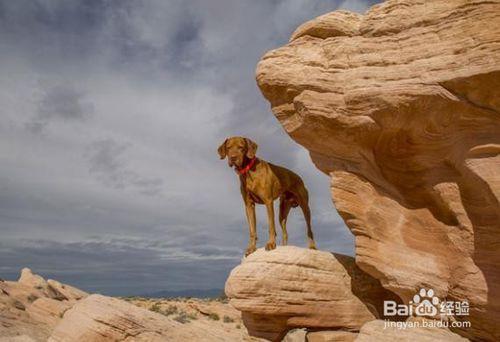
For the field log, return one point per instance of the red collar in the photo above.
(244, 170)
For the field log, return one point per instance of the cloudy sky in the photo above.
(111, 113)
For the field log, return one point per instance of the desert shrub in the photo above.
(192, 316)
(228, 319)
(133, 298)
(214, 316)
(182, 317)
(172, 309)
(222, 298)
(155, 307)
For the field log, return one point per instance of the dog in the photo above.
(262, 183)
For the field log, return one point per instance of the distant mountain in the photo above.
(195, 293)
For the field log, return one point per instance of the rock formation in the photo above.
(401, 107)
(100, 319)
(331, 336)
(33, 309)
(376, 331)
(293, 287)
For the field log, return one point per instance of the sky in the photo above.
(111, 113)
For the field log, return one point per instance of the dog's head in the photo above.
(237, 150)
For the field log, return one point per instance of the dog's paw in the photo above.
(250, 250)
(284, 240)
(270, 245)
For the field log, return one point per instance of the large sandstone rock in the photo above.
(376, 331)
(293, 287)
(66, 291)
(18, 338)
(31, 307)
(331, 336)
(48, 311)
(99, 318)
(401, 106)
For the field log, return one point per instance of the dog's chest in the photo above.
(255, 197)
(257, 189)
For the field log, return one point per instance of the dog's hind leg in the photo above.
(303, 198)
(307, 216)
(285, 206)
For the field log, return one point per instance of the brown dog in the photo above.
(262, 183)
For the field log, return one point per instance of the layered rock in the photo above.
(378, 331)
(292, 287)
(99, 318)
(331, 336)
(401, 107)
(31, 307)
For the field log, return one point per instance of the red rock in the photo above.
(401, 106)
(293, 287)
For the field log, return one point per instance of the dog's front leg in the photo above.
(271, 243)
(250, 211)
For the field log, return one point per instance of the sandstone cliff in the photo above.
(401, 107)
(293, 287)
(289, 288)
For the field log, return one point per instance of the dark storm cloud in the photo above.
(124, 192)
(64, 102)
(46, 28)
(126, 268)
(108, 163)
(60, 102)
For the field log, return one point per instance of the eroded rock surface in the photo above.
(293, 287)
(31, 307)
(101, 319)
(401, 106)
(375, 331)
(331, 336)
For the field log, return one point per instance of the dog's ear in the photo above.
(251, 148)
(222, 150)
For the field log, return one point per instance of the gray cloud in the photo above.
(107, 160)
(133, 98)
(60, 102)
(120, 268)
(64, 102)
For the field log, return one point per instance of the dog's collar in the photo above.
(244, 170)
